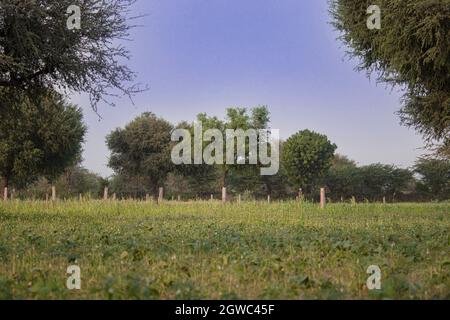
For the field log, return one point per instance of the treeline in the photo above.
(140, 158)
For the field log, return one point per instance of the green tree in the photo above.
(39, 138)
(37, 49)
(434, 182)
(307, 156)
(379, 180)
(411, 50)
(74, 181)
(343, 179)
(142, 151)
(236, 118)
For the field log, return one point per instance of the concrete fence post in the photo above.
(53, 193)
(322, 198)
(161, 195)
(224, 195)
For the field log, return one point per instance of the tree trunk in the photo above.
(5, 182)
(223, 179)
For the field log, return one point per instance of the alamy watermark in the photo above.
(374, 20)
(74, 19)
(263, 148)
(374, 280)
(74, 280)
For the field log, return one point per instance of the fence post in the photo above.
(300, 194)
(53, 193)
(105, 193)
(268, 199)
(224, 195)
(147, 197)
(212, 197)
(239, 199)
(179, 198)
(384, 200)
(161, 195)
(322, 198)
(5, 194)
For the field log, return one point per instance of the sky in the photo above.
(208, 55)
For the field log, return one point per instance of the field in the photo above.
(205, 250)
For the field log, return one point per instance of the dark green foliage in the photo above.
(38, 138)
(74, 181)
(373, 182)
(412, 50)
(38, 50)
(307, 156)
(142, 150)
(434, 180)
(237, 118)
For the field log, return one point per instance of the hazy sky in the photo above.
(207, 55)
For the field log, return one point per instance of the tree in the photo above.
(412, 51)
(236, 119)
(434, 176)
(378, 180)
(307, 156)
(373, 182)
(343, 179)
(142, 150)
(74, 181)
(38, 49)
(40, 138)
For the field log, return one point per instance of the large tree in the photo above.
(142, 151)
(236, 119)
(38, 138)
(38, 48)
(307, 156)
(411, 50)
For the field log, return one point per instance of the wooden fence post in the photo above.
(161, 195)
(322, 198)
(147, 197)
(268, 199)
(239, 199)
(5, 194)
(53, 193)
(105, 193)
(179, 198)
(224, 195)
(384, 200)
(300, 194)
(114, 196)
(212, 197)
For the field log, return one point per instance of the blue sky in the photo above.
(207, 55)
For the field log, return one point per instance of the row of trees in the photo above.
(140, 157)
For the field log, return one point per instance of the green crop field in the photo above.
(206, 250)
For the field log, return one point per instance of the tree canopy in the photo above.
(434, 178)
(37, 49)
(142, 150)
(411, 50)
(307, 156)
(39, 138)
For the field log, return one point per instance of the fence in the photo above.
(225, 198)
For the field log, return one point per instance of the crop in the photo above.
(206, 250)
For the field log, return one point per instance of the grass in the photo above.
(204, 250)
